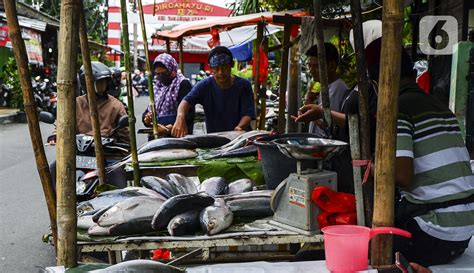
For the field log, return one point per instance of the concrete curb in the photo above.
(8, 118)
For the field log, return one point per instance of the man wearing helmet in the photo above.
(109, 108)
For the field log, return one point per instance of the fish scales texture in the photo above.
(166, 143)
(216, 218)
(214, 186)
(256, 207)
(185, 223)
(130, 209)
(241, 185)
(207, 141)
(144, 266)
(109, 198)
(160, 185)
(179, 204)
(182, 183)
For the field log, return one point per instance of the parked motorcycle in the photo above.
(45, 94)
(5, 94)
(86, 162)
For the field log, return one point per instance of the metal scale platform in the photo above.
(291, 201)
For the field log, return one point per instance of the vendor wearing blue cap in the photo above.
(227, 99)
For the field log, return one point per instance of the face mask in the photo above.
(165, 79)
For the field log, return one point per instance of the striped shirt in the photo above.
(429, 133)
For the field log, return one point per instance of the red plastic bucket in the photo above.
(347, 246)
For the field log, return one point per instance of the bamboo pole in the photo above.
(168, 45)
(293, 91)
(386, 128)
(21, 57)
(355, 154)
(66, 133)
(181, 58)
(323, 71)
(363, 86)
(131, 107)
(256, 85)
(283, 79)
(91, 97)
(148, 69)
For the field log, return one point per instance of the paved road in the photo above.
(23, 213)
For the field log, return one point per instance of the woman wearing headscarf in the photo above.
(169, 89)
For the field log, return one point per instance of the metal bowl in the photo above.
(309, 147)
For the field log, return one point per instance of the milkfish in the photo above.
(216, 218)
(179, 204)
(252, 207)
(185, 223)
(240, 141)
(241, 185)
(99, 213)
(130, 209)
(160, 185)
(249, 150)
(214, 186)
(166, 155)
(181, 183)
(156, 145)
(207, 141)
(109, 198)
(85, 221)
(147, 266)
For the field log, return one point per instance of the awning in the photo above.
(28, 22)
(205, 26)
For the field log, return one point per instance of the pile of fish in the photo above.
(174, 203)
(239, 147)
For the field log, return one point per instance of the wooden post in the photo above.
(363, 86)
(283, 78)
(181, 58)
(131, 107)
(293, 91)
(386, 128)
(66, 133)
(323, 71)
(256, 85)
(148, 69)
(355, 154)
(135, 46)
(21, 57)
(168, 45)
(91, 97)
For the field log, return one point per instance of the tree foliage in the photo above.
(330, 7)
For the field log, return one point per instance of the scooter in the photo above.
(86, 162)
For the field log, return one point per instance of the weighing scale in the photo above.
(291, 200)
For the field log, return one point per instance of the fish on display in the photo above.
(241, 185)
(99, 213)
(179, 204)
(166, 143)
(249, 194)
(231, 135)
(214, 186)
(240, 141)
(159, 185)
(96, 230)
(253, 207)
(185, 223)
(182, 184)
(249, 150)
(132, 227)
(109, 198)
(166, 155)
(216, 218)
(207, 141)
(146, 266)
(85, 221)
(130, 209)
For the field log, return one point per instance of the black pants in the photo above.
(425, 249)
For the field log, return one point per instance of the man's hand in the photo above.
(148, 119)
(237, 128)
(309, 113)
(180, 129)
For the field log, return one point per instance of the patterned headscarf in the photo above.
(166, 95)
(219, 59)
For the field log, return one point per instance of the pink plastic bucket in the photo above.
(347, 246)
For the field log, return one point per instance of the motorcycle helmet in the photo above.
(99, 71)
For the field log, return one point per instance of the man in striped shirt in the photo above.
(434, 177)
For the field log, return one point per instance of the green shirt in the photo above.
(429, 133)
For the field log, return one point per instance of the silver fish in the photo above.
(96, 230)
(241, 185)
(249, 194)
(252, 207)
(130, 209)
(181, 183)
(166, 143)
(214, 186)
(145, 266)
(239, 142)
(166, 155)
(216, 218)
(160, 185)
(109, 198)
(185, 223)
(85, 221)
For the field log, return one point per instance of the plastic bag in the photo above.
(337, 208)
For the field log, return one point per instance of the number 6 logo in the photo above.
(438, 35)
